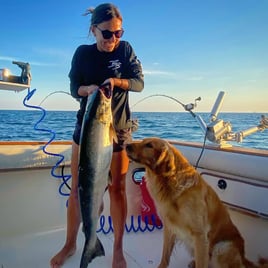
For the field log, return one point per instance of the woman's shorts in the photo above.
(123, 137)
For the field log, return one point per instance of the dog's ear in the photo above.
(186, 175)
(162, 154)
(165, 162)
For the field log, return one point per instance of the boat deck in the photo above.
(142, 249)
(35, 251)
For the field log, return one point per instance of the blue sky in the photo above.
(188, 49)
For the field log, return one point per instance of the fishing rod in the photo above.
(187, 107)
(216, 131)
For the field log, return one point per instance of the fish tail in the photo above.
(89, 254)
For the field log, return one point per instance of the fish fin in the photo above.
(113, 135)
(89, 255)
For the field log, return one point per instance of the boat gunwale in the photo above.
(59, 142)
(4, 170)
(186, 144)
(233, 149)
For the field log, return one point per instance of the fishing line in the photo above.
(158, 95)
(65, 178)
(55, 92)
(186, 108)
(202, 151)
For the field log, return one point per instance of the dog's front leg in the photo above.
(168, 245)
(201, 251)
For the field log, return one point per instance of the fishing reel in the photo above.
(190, 106)
(219, 131)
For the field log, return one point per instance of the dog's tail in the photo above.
(262, 263)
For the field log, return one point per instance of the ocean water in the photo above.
(25, 125)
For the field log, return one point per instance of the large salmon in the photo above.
(96, 147)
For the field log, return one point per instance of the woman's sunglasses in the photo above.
(106, 34)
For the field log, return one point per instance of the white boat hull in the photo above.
(33, 213)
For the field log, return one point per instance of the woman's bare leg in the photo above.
(73, 215)
(118, 205)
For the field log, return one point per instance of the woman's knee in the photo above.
(118, 184)
(120, 163)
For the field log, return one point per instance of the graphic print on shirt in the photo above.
(114, 64)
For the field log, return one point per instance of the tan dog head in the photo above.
(156, 154)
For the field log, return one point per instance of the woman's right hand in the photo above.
(85, 91)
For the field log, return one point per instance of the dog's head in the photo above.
(156, 154)
(164, 162)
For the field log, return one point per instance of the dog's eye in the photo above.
(149, 145)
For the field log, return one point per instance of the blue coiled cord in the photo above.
(65, 178)
(105, 223)
(134, 226)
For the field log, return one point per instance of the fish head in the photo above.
(106, 89)
(104, 109)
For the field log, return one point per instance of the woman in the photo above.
(113, 61)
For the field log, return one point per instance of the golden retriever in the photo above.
(189, 208)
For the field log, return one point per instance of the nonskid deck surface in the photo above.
(35, 251)
(142, 249)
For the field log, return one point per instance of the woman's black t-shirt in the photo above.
(90, 66)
